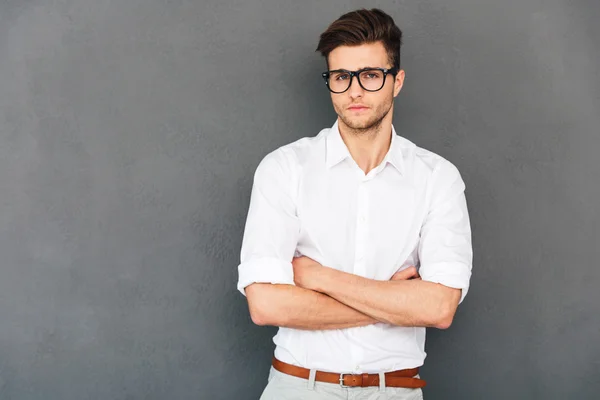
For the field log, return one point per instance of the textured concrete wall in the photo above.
(129, 133)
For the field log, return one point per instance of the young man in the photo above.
(338, 225)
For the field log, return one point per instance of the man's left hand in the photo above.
(306, 272)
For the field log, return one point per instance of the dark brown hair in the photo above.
(361, 27)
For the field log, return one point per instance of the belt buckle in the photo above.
(342, 380)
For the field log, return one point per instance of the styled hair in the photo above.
(363, 27)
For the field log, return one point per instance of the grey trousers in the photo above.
(285, 387)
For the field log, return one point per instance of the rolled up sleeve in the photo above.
(272, 226)
(445, 249)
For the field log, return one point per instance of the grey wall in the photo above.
(129, 134)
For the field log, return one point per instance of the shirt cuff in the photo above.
(454, 275)
(264, 270)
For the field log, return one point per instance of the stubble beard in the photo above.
(368, 126)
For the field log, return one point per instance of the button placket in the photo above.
(361, 229)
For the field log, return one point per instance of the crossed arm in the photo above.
(325, 298)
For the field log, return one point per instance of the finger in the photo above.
(405, 274)
(416, 275)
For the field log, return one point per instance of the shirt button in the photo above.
(357, 367)
(362, 218)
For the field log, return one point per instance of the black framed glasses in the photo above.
(370, 79)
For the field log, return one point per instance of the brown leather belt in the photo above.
(402, 378)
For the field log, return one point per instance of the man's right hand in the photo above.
(406, 274)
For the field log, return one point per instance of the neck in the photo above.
(368, 146)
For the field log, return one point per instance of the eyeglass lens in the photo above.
(371, 79)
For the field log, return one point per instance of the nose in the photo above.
(355, 89)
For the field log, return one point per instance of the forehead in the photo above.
(357, 57)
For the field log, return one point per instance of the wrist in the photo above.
(323, 279)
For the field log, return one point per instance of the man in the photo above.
(338, 225)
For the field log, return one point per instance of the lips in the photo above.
(357, 107)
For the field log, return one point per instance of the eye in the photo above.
(339, 76)
(372, 74)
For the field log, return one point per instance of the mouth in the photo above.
(357, 107)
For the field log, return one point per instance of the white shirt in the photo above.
(311, 198)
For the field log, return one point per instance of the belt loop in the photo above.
(382, 381)
(311, 379)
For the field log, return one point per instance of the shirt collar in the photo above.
(337, 151)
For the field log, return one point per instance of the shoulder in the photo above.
(291, 156)
(426, 163)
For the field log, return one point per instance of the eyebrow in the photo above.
(345, 69)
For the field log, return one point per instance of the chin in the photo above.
(359, 123)
(358, 126)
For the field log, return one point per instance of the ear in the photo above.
(398, 82)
